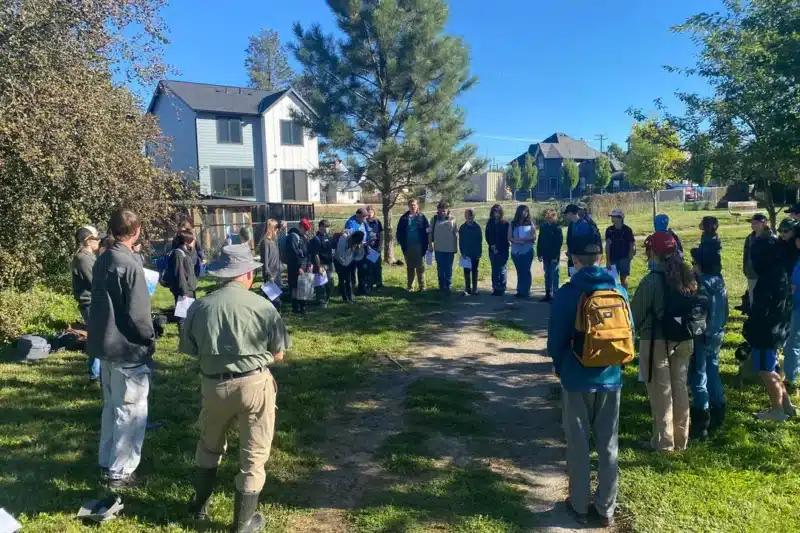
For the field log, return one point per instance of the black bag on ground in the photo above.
(73, 340)
(685, 315)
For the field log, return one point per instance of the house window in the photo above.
(232, 182)
(291, 133)
(351, 196)
(553, 185)
(540, 163)
(294, 185)
(229, 131)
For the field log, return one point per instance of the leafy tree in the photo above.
(384, 91)
(602, 173)
(71, 137)
(698, 167)
(267, 62)
(570, 176)
(615, 151)
(530, 175)
(654, 157)
(514, 178)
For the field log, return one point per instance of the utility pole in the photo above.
(601, 137)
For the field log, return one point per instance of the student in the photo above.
(197, 252)
(320, 252)
(444, 244)
(522, 235)
(497, 240)
(183, 282)
(661, 223)
(590, 396)
(349, 251)
(578, 218)
(470, 243)
(297, 261)
(358, 222)
(791, 352)
(271, 257)
(708, 399)
(82, 263)
(787, 251)
(767, 326)
(376, 243)
(620, 246)
(710, 246)
(794, 212)
(664, 361)
(412, 236)
(548, 250)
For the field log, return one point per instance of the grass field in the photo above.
(745, 479)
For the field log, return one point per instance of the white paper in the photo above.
(571, 271)
(465, 262)
(182, 307)
(271, 290)
(7, 522)
(151, 278)
(320, 279)
(373, 256)
(613, 272)
(429, 258)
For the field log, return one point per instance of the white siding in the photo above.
(280, 157)
(214, 154)
(177, 121)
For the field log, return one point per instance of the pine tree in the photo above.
(267, 62)
(530, 175)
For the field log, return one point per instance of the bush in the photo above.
(41, 311)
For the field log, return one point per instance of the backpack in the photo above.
(167, 275)
(603, 333)
(685, 315)
(32, 348)
(70, 339)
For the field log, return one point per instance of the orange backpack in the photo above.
(603, 333)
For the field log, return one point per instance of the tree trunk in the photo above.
(773, 214)
(533, 200)
(654, 195)
(388, 231)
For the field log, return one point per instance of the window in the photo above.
(351, 196)
(540, 163)
(294, 185)
(553, 185)
(232, 182)
(229, 130)
(291, 133)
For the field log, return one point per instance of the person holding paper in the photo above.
(470, 244)
(412, 236)
(82, 263)
(620, 246)
(358, 222)
(298, 261)
(236, 336)
(320, 251)
(183, 281)
(271, 258)
(121, 335)
(444, 244)
(497, 239)
(522, 235)
(376, 243)
(349, 251)
(548, 250)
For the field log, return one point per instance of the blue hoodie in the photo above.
(796, 287)
(352, 226)
(574, 376)
(714, 288)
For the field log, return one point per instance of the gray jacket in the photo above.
(120, 323)
(82, 263)
(271, 258)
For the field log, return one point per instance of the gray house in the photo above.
(239, 142)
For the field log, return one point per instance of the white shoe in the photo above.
(466, 293)
(775, 415)
(788, 407)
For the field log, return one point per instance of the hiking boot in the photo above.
(700, 420)
(497, 293)
(717, 418)
(602, 521)
(127, 482)
(580, 518)
(245, 518)
(204, 481)
(547, 298)
(788, 407)
(775, 415)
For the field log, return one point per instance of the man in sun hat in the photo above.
(620, 246)
(236, 335)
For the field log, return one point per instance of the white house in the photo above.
(239, 142)
(343, 193)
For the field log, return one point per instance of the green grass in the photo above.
(506, 330)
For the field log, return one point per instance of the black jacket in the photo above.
(767, 324)
(120, 324)
(375, 234)
(271, 259)
(320, 250)
(551, 238)
(184, 281)
(298, 250)
(402, 231)
(789, 255)
(711, 253)
(497, 236)
(82, 263)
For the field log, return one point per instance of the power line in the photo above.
(601, 137)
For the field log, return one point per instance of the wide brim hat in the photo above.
(236, 260)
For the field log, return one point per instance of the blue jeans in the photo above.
(444, 268)
(523, 262)
(551, 273)
(93, 364)
(791, 352)
(704, 379)
(499, 262)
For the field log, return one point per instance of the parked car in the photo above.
(689, 192)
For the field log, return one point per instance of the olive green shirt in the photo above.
(648, 303)
(233, 330)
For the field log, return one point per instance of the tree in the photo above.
(514, 178)
(654, 157)
(698, 167)
(602, 173)
(570, 176)
(615, 151)
(71, 137)
(530, 175)
(384, 91)
(267, 62)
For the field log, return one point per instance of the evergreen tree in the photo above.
(514, 178)
(267, 62)
(570, 175)
(530, 175)
(602, 173)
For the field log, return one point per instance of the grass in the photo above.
(506, 330)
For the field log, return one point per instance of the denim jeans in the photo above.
(791, 352)
(93, 363)
(471, 276)
(551, 273)
(444, 268)
(499, 262)
(522, 262)
(704, 379)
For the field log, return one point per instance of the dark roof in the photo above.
(219, 98)
(616, 165)
(561, 146)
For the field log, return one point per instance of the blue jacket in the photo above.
(574, 376)
(796, 285)
(352, 225)
(714, 288)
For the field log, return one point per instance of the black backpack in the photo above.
(685, 315)
(167, 278)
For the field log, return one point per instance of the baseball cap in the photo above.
(661, 243)
(324, 223)
(85, 233)
(758, 217)
(787, 224)
(305, 224)
(617, 213)
(794, 209)
(571, 208)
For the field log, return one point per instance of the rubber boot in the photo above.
(700, 418)
(295, 306)
(302, 307)
(204, 481)
(245, 517)
(717, 417)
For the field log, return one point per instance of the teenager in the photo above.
(412, 236)
(320, 252)
(787, 251)
(760, 226)
(470, 243)
(710, 245)
(548, 250)
(522, 235)
(376, 243)
(297, 261)
(661, 223)
(358, 222)
(82, 263)
(444, 244)
(349, 251)
(620, 246)
(183, 282)
(497, 240)
(791, 352)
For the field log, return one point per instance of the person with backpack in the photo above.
(444, 245)
(708, 399)
(180, 274)
(661, 223)
(497, 241)
(522, 236)
(664, 308)
(412, 236)
(271, 258)
(297, 261)
(320, 251)
(548, 250)
(82, 263)
(197, 253)
(349, 250)
(470, 244)
(588, 348)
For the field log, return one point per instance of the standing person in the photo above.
(794, 212)
(470, 243)
(522, 235)
(412, 235)
(121, 335)
(497, 240)
(571, 213)
(376, 243)
(197, 253)
(320, 252)
(760, 226)
(358, 222)
(444, 244)
(82, 263)
(710, 245)
(787, 251)
(236, 336)
(349, 251)
(791, 352)
(767, 326)
(271, 258)
(661, 223)
(664, 361)
(548, 250)
(590, 394)
(708, 399)
(297, 261)
(620, 246)
(183, 282)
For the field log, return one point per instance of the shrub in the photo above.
(41, 311)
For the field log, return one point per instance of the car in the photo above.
(689, 191)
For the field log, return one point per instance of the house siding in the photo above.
(214, 154)
(177, 121)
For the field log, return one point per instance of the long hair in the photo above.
(710, 225)
(679, 275)
(271, 232)
(496, 208)
(523, 216)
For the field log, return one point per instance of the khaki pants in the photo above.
(415, 265)
(668, 392)
(251, 402)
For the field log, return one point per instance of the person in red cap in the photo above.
(665, 343)
(298, 261)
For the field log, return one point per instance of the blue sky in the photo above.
(572, 66)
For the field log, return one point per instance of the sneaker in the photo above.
(602, 521)
(775, 415)
(546, 298)
(128, 482)
(410, 289)
(580, 518)
(475, 292)
(788, 407)
(467, 293)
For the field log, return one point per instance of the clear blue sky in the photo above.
(572, 66)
